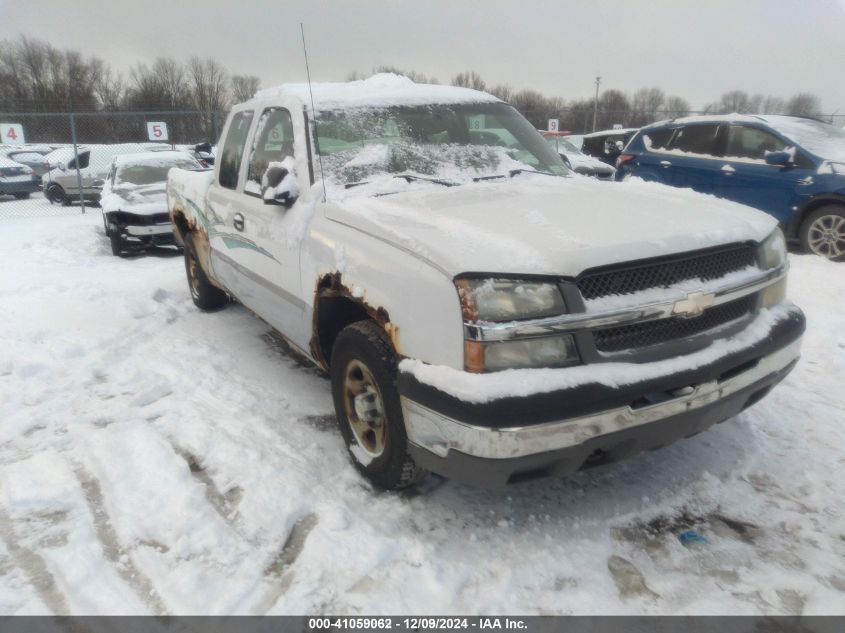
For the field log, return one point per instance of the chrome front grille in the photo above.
(649, 333)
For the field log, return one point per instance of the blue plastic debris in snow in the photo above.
(691, 537)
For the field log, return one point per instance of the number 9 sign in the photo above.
(11, 134)
(157, 131)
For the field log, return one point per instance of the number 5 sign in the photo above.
(11, 134)
(157, 131)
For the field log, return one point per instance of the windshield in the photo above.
(562, 145)
(451, 144)
(152, 172)
(823, 140)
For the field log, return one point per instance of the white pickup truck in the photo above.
(483, 313)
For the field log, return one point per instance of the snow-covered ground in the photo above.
(155, 459)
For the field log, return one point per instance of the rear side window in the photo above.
(657, 139)
(751, 142)
(273, 143)
(696, 139)
(233, 149)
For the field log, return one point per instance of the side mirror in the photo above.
(278, 186)
(782, 158)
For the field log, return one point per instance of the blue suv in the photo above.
(790, 167)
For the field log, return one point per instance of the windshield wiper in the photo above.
(407, 178)
(512, 173)
(410, 177)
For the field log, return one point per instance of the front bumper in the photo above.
(558, 433)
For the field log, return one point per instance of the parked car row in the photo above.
(481, 314)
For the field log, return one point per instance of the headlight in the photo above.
(774, 294)
(772, 250)
(543, 351)
(503, 300)
(508, 300)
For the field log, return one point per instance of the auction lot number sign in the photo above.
(12, 134)
(157, 131)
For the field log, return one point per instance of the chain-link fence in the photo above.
(57, 161)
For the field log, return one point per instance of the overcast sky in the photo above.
(697, 49)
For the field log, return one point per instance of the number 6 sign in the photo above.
(11, 134)
(157, 131)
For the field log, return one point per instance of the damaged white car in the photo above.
(482, 314)
(134, 201)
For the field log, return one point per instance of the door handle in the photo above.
(238, 221)
(665, 163)
(728, 170)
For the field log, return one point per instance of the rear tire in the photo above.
(823, 232)
(366, 401)
(205, 295)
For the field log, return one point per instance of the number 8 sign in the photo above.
(157, 131)
(12, 134)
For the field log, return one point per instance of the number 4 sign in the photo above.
(157, 131)
(11, 134)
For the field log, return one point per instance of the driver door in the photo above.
(266, 236)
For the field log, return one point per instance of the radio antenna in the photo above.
(313, 110)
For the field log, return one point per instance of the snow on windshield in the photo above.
(823, 140)
(448, 144)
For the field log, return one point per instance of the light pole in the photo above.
(596, 104)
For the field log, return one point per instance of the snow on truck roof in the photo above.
(381, 90)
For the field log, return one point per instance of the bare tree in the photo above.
(646, 105)
(804, 104)
(208, 81)
(469, 79)
(244, 87)
(676, 107)
(502, 91)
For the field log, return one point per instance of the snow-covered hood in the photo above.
(139, 200)
(582, 161)
(539, 225)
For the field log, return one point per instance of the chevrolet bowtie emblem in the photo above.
(693, 305)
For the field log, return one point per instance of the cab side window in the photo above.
(273, 143)
(233, 149)
(751, 142)
(697, 139)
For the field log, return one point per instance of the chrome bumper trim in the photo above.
(566, 323)
(440, 434)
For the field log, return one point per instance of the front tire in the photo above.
(116, 243)
(823, 232)
(56, 195)
(205, 295)
(366, 401)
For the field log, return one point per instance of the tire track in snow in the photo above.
(223, 504)
(279, 570)
(114, 553)
(34, 568)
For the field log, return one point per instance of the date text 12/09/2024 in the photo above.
(416, 624)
